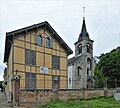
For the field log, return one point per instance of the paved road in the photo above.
(3, 102)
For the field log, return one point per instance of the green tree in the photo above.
(109, 63)
(100, 79)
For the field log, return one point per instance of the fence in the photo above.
(113, 83)
(28, 98)
(24, 95)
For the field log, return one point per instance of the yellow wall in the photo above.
(9, 72)
(43, 59)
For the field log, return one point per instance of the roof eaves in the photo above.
(8, 43)
(59, 39)
(10, 35)
(26, 28)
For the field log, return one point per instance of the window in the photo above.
(69, 80)
(87, 71)
(55, 62)
(79, 49)
(48, 42)
(87, 86)
(39, 39)
(89, 62)
(78, 70)
(30, 57)
(30, 81)
(88, 48)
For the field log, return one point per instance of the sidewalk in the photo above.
(3, 101)
(4, 104)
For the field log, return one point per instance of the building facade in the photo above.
(81, 66)
(36, 57)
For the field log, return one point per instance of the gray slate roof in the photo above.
(84, 33)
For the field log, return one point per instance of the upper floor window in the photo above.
(88, 48)
(90, 63)
(48, 42)
(39, 39)
(79, 49)
(78, 70)
(55, 62)
(30, 57)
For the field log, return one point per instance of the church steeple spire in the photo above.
(84, 33)
(83, 30)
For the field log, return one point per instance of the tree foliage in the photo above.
(107, 70)
(109, 64)
(100, 79)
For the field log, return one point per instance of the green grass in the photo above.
(100, 102)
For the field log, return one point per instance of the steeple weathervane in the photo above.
(84, 34)
(83, 12)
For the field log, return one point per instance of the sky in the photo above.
(65, 16)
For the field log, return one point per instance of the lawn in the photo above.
(100, 102)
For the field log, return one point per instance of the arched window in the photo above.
(39, 39)
(87, 71)
(89, 62)
(78, 70)
(88, 48)
(78, 75)
(79, 49)
(48, 42)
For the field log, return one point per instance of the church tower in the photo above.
(84, 59)
(81, 67)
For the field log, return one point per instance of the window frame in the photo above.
(30, 57)
(89, 48)
(39, 40)
(48, 42)
(30, 81)
(55, 62)
(90, 63)
(79, 48)
(78, 70)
